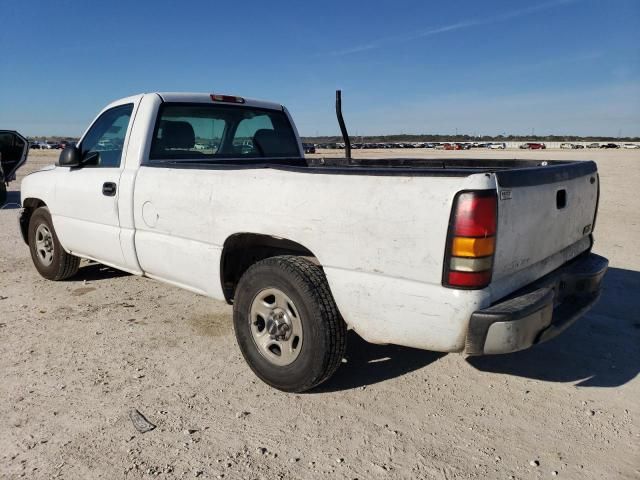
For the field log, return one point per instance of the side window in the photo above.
(103, 143)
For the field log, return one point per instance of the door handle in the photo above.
(109, 189)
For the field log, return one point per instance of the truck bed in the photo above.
(536, 233)
(546, 209)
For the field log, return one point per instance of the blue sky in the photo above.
(405, 66)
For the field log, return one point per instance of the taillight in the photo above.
(471, 241)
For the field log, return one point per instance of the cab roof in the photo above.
(191, 97)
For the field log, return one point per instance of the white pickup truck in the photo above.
(213, 193)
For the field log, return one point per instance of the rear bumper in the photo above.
(540, 311)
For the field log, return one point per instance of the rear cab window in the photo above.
(209, 132)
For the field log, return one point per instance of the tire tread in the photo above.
(67, 265)
(312, 279)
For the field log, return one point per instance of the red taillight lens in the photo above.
(475, 215)
(468, 262)
(469, 279)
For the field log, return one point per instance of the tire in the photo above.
(310, 312)
(48, 256)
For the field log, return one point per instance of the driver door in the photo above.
(86, 207)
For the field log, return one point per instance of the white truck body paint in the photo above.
(399, 258)
(380, 238)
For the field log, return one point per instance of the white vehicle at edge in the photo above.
(432, 254)
(497, 146)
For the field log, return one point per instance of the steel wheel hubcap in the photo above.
(275, 325)
(44, 245)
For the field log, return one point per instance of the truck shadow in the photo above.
(368, 364)
(13, 201)
(600, 350)
(93, 271)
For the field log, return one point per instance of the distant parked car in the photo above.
(448, 146)
(34, 146)
(593, 145)
(578, 145)
(533, 146)
(630, 145)
(497, 146)
(65, 143)
(309, 148)
(567, 146)
(609, 145)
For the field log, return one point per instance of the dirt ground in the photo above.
(77, 356)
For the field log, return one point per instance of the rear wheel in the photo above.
(48, 256)
(287, 324)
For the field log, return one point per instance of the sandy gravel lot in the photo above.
(76, 356)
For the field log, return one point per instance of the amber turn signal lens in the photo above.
(473, 247)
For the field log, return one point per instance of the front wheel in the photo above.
(287, 324)
(48, 256)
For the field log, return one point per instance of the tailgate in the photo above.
(545, 218)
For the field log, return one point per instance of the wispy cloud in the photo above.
(502, 17)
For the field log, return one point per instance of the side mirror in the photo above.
(70, 157)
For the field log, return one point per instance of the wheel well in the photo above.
(244, 249)
(29, 205)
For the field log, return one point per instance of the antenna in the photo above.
(343, 128)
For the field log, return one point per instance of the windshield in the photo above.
(201, 131)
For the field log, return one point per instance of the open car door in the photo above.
(14, 149)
